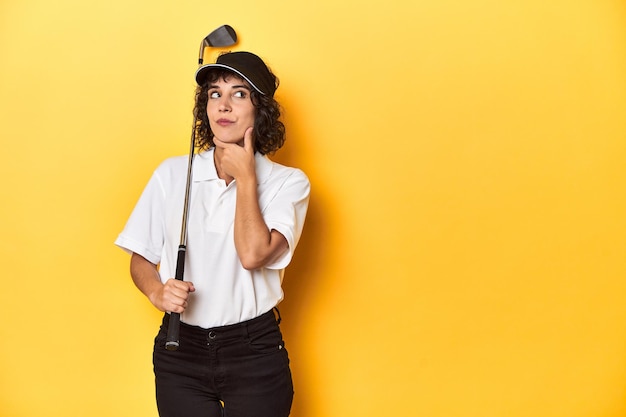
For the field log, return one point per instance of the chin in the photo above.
(230, 140)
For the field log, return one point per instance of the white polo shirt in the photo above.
(226, 293)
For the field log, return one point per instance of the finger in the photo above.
(248, 140)
(177, 308)
(185, 288)
(186, 285)
(179, 289)
(176, 283)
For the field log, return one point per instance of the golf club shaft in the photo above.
(173, 329)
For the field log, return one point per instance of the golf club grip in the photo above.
(173, 328)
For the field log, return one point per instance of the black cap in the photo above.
(248, 66)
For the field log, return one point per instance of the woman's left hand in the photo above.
(238, 161)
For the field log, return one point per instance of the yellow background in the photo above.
(464, 254)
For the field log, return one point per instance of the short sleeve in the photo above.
(286, 213)
(144, 231)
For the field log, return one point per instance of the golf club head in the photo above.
(222, 36)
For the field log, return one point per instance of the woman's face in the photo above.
(230, 109)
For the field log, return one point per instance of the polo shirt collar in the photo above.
(204, 167)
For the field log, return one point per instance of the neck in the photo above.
(217, 160)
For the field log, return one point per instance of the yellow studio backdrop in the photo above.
(465, 249)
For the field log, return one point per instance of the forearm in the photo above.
(145, 276)
(256, 244)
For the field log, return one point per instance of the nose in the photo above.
(224, 103)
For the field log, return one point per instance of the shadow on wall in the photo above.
(305, 274)
(302, 279)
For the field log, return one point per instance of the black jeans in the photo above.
(241, 370)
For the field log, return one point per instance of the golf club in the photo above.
(220, 37)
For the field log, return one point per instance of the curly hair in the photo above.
(269, 131)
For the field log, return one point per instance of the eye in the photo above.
(214, 94)
(240, 94)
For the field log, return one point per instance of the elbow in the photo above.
(251, 262)
(255, 260)
(258, 256)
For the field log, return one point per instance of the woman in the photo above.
(246, 215)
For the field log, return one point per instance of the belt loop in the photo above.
(277, 315)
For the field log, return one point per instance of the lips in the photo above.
(224, 122)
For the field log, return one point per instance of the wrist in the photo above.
(247, 181)
(154, 294)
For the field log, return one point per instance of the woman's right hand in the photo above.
(173, 296)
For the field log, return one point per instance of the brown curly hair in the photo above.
(269, 131)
